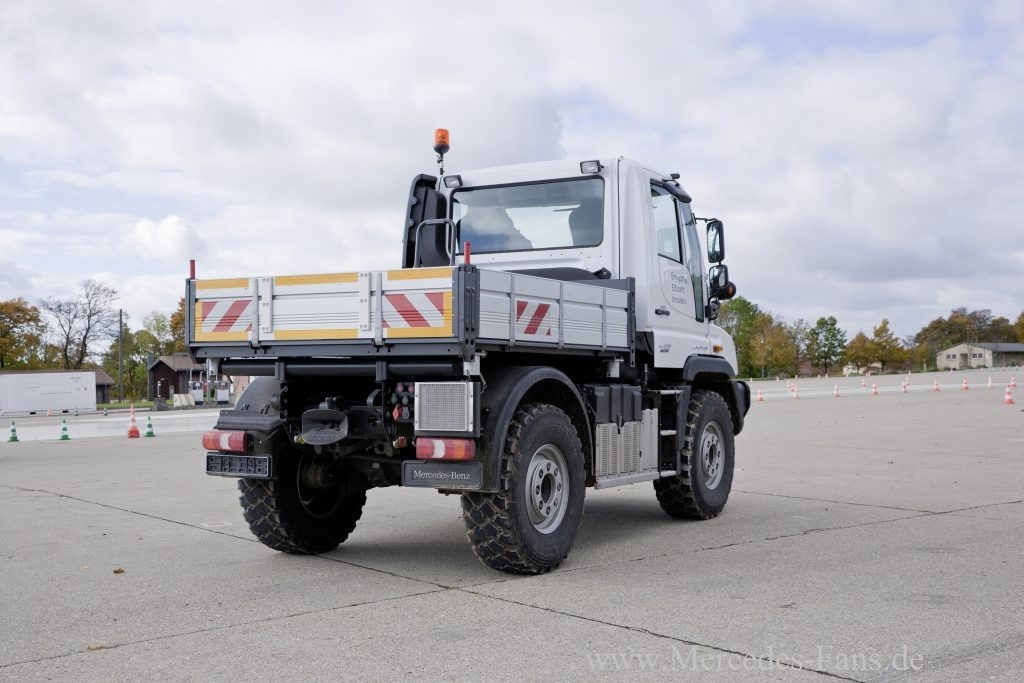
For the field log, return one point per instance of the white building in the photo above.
(979, 355)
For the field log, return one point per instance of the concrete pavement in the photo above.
(867, 538)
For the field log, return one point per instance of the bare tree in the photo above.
(82, 321)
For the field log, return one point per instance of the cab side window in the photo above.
(666, 224)
(694, 261)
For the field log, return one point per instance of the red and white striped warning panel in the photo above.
(536, 320)
(224, 320)
(223, 310)
(418, 314)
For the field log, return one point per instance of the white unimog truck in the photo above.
(550, 330)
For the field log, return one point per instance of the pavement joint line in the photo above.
(655, 634)
(120, 509)
(837, 502)
(880, 449)
(222, 627)
(248, 540)
(884, 507)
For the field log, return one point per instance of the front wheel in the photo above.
(529, 526)
(304, 511)
(701, 490)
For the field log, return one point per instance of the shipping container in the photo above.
(37, 392)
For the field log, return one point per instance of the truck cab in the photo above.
(584, 221)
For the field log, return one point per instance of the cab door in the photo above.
(678, 319)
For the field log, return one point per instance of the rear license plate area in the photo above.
(248, 466)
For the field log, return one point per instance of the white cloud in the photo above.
(170, 240)
(866, 161)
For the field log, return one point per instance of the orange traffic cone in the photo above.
(935, 386)
(760, 396)
(1008, 396)
(874, 389)
(133, 429)
(796, 392)
(906, 388)
(835, 391)
(989, 382)
(1013, 382)
(965, 387)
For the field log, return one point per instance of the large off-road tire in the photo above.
(529, 526)
(701, 490)
(289, 515)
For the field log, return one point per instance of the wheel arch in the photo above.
(717, 374)
(508, 388)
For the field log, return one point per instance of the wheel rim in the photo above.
(318, 502)
(547, 488)
(712, 455)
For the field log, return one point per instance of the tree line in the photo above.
(80, 332)
(768, 346)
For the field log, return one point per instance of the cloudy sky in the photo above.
(866, 156)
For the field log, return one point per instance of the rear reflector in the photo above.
(445, 449)
(227, 441)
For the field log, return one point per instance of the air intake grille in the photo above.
(444, 407)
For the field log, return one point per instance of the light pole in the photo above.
(120, 355)
(762, 358)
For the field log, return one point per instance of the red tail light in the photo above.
(445, 449)
(228, 441)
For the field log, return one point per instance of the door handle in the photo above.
(661, 311)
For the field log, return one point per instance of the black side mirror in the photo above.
(716, 241)
(718, 283)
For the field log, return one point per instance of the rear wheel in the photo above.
(701, 490)
(529, 526)
(305, 510)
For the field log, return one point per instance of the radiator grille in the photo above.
(630, 447)
(443, 407)
(607, 450)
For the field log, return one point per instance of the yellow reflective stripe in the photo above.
(419, 273)
(325, 279)
(223, 283)
(415, 332)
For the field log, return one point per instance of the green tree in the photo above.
(161, 341)
(966, 326)
(771, 339)
(797, 333)
(177, 323)
(137, 350)
(1018, 327)
(22, 334)
(859, 352)
(737, 318)
(825, 343)
(1000, 330)
(80, 322)
(885, 347)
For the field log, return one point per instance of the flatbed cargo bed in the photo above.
(453, 311)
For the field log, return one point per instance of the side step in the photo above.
(623, 479)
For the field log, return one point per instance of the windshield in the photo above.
(558, 214)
